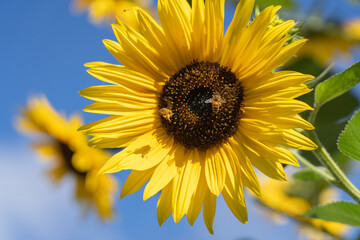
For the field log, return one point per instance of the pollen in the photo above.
(205, 100)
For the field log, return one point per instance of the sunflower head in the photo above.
(67, 148)
(197, 109)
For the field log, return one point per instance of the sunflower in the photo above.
(108, 10)
(196, 109)
(332, 41)
(62, 143)
(282, 198)
(324, 48)
(352, 29)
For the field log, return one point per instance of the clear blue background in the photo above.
(43, 46)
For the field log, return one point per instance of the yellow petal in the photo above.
(290, 92)
(286, 53)
(290, 122)
(164, 204)
(270, 168)
(56, 174)
(198, 197)
(144, 58)
(235, 30)
(101, 142)
(184, 185)
(234, 198)
(252, 67)
(197, 23)
(294, 139)
(97, 64)
(231, 170)
(243, 167)
(290, 160)
(46, 149)
(163, 174)
(209, 211)
(156, 37)
(257, 30)
(117, 94)
(118, 109)
(135, 181)
(175, 19)
(276, 81)
(233, 182)
(215, 171)
(214, 29)
(143, 153)
(117, 127)
(276, 107)
(125, 77)
(262, 129)
(276, 33)
(270, 152)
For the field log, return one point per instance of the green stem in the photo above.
(315, 169)
(313, 116)
(314, 82)
(327, 161)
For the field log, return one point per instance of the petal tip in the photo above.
(122, 194)
(146, 195)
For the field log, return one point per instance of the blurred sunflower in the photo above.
(331, 40)
(62, 143)
(196, 109)
(352, 29)
(283, 199)
(109, 10)
(323, 47)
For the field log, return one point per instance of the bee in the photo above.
(216, 102)
(167, 113)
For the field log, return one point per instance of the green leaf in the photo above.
(337, 85)
(349, 139)
(328, 118)
(308, 174)
(342, 212)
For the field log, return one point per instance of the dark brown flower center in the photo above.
(200, 105)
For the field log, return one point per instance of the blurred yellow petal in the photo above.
(70, 155)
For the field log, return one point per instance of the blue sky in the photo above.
(43, 46)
